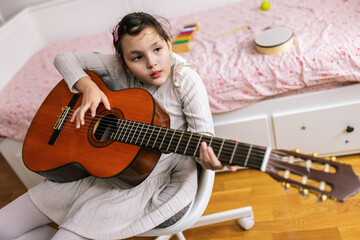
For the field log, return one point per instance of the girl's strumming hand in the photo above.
(92, 97)
(209, 160)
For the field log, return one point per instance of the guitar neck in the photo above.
(188, 143)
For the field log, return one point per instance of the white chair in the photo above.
(193, 217)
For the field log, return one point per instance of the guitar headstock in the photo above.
(310, 174)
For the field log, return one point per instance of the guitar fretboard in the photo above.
(188, 143)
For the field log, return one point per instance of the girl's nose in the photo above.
(151, 63)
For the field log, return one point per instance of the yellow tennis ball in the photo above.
(265, 5)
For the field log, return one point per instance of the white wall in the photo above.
(9, 8)
(69, 19)
(19, 40)
(57, 20)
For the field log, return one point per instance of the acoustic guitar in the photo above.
(123, 145)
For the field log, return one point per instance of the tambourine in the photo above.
(274, 40)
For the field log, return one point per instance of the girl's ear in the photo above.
(169, 43)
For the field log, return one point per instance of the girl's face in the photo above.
(147, 56)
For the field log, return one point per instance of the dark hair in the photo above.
(133, 24)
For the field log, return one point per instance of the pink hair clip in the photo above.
(116, 36)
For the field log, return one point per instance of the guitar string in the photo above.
(227, 150)
(160, 129)
(228, 147)
(131, 131)
(255, 162)
(280, 163)
(112, 121)
(279, 166)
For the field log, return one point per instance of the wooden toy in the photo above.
(232, 31)
(181, 43)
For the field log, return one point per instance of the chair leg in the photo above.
(179, 235)
(164, 237)
(246, 222)
(244, 215)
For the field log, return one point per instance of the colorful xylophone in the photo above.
(182, 41)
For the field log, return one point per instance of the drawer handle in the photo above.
(349, 129)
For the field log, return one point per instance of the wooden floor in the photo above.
(278, 216)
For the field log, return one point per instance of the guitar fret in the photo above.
(128, 135)
(144, 135)
(156, 139)
(142, 126)
(187, 145)
(113, 135)
(137, 125)
(118, 133)
(163, 138)
(122, 135)
(170, 140)
(179, 141)
(197, 146)
(153, 128)
(210, 142)
(233, 153)
(222, 144)
(248, 155)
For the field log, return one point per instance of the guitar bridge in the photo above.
(62, 118)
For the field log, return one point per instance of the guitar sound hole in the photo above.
(105, 127)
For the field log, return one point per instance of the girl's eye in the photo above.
(137, 58)
(157, 49)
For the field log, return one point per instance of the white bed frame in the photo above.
(313, 122)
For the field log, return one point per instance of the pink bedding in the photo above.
(326, 50)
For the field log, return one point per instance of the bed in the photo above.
(307, 97)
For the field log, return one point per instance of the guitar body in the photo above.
(65, 153)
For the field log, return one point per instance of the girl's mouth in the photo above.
(156, 74)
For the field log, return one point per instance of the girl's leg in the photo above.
(19, 217)
(44, 232)
(64, 234)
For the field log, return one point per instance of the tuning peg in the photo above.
(333, 158)
(304, 192)
(295, 150)
(322, 198)
(286, 187)
(315, 154)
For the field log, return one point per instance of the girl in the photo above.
(91, 208)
